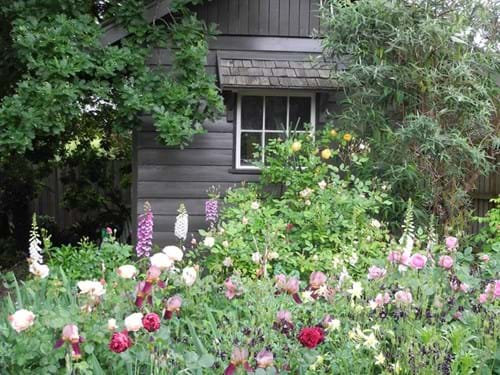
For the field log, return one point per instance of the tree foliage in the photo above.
(421, 86)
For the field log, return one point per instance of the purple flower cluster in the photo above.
(211, 210)
(145, 232)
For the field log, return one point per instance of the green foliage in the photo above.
(421, 86)
(87, 260)
(305, 212)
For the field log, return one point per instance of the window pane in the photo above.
(276, 112)
(300, 112)
(251, 112)
(248, 147)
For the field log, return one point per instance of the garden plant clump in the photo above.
(331, 301)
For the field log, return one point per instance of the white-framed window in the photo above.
(264, 115)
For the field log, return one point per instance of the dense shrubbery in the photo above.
(316, 210)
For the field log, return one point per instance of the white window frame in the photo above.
(263, 131)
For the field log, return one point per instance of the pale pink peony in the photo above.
(451, 243)
(403, 297)
(127, 271)
(161, 261)
(375, 273)
(133, 322)
(418, 261)
(446, 262)
(21, 320)
(173, 252)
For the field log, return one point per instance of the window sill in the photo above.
(244, 171)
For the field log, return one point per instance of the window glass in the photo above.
(251, 112)
(276, 113)
(248, 147)
(300, 113)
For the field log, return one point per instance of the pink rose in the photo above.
(375, 273)
(417, 261)
(446, 262)
(120, 341)
(451, 243)
(317, 279)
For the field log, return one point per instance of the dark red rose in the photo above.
(120, 341)
(151, 322)
(311, 337)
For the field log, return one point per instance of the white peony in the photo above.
(189, 275)
(133, 322)
(127, 271)
(93, 288)
(21, 320)
(173, 252)
(161, 261)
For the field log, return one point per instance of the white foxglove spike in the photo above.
(181, 223)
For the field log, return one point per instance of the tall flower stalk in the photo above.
(212, 206)
(35, 260)
(181, 223)
(145, 232)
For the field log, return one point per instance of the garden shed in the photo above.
(273, 79)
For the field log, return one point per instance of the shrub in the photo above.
(306, 209)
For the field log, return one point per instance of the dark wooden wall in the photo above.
(293, 18)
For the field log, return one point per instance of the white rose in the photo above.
(127, 271)
(21, 320)
(112, 326)
(189, 275)
(133, 322)
(173, 252)
(255, 205)
(256, 257)
(209, 241)
(161, 261)
(94, 288)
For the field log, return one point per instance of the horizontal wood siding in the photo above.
(297, 18)
(167, 176)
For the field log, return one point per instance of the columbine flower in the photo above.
(264, 359)
(133, 322)
(181, 223)
(174, 253)
(375, 273)
(380, 300)
(209, 241)
(145, 232)
(239, 357)
(379, 359)
(451, 243)
(356, 289)
(330, 324)
(21, 320)
(370, 341)
(189, 275)
(255, 205)
(228, 262)
(418, 261)
(353, 259)
(306, 193)
(491, 292)
(256, 257)
(127, 271)
(173, 305)
(71, 336)
(322, 184)
(446, 262)
(211, 210)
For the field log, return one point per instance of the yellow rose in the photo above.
(326, 154)
(333, 133)
(296, 146)
(347, 137)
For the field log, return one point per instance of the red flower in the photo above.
(151, 322)
(311, 337)
(120, 341)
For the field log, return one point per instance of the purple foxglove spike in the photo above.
(145, 232)
(211, 210)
